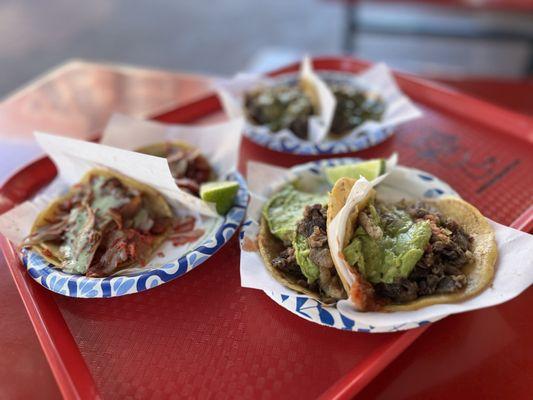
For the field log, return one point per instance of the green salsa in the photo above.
(86, 223)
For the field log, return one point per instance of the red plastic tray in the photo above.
(202, 335)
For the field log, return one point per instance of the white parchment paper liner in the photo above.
(219, 142)
(376, 79)
(514, 268)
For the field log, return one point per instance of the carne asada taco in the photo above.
(290, 105)
(105, 223)
(189, 167)
(407, 255)
(293, 244)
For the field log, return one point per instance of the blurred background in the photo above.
(434, 37)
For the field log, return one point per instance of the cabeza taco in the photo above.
(189, 167)
(104, 223)
(294, 245)
(407, 255)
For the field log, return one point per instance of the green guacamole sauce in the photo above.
(77, 260)
(285, 209)
(78, 247)
(105, 199)
(393, 255)
(301, 252)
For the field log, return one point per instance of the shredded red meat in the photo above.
(188, 167)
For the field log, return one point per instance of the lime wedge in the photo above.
(369, 169)
(220, 193)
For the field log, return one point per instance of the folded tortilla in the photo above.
(480, 272)
(162, 149)
(270, 247)
(156, 204)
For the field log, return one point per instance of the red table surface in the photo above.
(458, 359)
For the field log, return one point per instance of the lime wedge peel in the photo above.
(370, 169)
(220, 193)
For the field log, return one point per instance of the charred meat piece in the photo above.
(48, 233)
(286, 262)
(402, 290)
(354, 107)
(366, 221)
(188, 185)
(121, 246)
(314, 216)
(188, 167)
(313, 227)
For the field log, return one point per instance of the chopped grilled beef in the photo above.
(298, 126)
(314, 216)
(366, 221)
(439, 270)
(330, 284)
(321, 257)
(130, 208)
(286, 262)
(354, 107)
(402, 290)
(318, 238)
(313, 227)
(319, 253)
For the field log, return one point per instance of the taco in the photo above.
(105, 223)
(294, 246)
(290, 105)
(189, 167)
(407, 255)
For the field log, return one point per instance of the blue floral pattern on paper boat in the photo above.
(423, 185)
(81, 286)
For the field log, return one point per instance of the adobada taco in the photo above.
(294, 246)
(408, 255)
(189, 167)
(104, 223)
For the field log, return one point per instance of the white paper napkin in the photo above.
(219, 143)
(73, 158)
